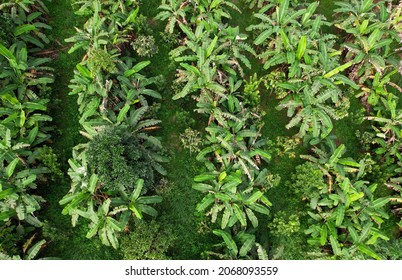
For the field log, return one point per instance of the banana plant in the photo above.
(187, 12)
(329, 160)
(243, 245)
(111, 98)
(372, 33)
(120, 21)
(214, 11)
(103, 221)
(23, 73)
(346, 215)
(28, 23)
(208, 60)
(136, 203)
(235, 146)
(15, 198)
(175, 12)
(27, 5)
(94, 34)
(231, 195)
(24, 120)
(387, 130)
(290, 37)
(18, 179)
(312, 106)
(108, 213)
(351, 208)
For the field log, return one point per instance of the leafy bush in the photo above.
(191, 140)
(284, 225)
(119, 159)
(101, 60)
(251, 95)
(307, 180)
(145, 46)
(49, 159)
(148, 241)
(284, 146)
(391, 250)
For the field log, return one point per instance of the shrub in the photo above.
(145, 46)
(284, 224)
(307, 180)
(119, 159)
(149, 241)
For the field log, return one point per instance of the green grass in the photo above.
(177, 211)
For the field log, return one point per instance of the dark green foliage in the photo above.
(101, 60)
(8, 239)
(119, 159)
(169, 39)
(307, 180)
(49, 159)
(251, 94)
(148, 241)
(184, 119)
(284, 224)
(145, 46)
(390, 250)
(6, 29)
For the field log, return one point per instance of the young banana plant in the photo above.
(346, 216)
(175, 12)
(208, 59)
(387, 129)
(230, 194)
(289, 37)
(108, 211)
(312, 106)
(241, 246)
(18, 179)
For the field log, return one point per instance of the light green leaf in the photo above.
(11, 167)
(138, 67)
(301, 48)
(240, 215)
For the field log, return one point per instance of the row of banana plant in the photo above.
(25, 82)
(373, 35)
(111, 172)
(318, 72)
(211, 58)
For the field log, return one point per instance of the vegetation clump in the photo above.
(119, 159)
